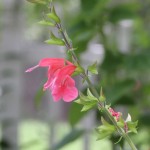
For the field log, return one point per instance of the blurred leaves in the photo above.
(120, 73)
(123, 11)
(75, 114)
(38, 97)
(119, 90)
(70, 137)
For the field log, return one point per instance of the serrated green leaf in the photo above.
(88, 101)
(132, 126)
(47, 23)
(93, 68)
(87, 107)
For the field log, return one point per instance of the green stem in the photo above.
(94, 91)
(120, 130)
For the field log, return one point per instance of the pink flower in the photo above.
(63, 85)
(115, 114)
(59, 80)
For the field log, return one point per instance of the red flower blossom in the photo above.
(115, 114)
(59, 80)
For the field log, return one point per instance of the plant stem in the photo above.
(94, 91)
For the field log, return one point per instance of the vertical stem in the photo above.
(94, 91)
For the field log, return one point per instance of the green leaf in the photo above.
(70, 137)
(47, 23)
(132, 126)
(93, 68)
(105, 130)
(88, 107)
(55, 41)
(102, 98)
(78, 70)
(78, 101)
(53, 16)
(90, 94)
(86, 101)
(105, 123)
(103, 135)
(121, 122)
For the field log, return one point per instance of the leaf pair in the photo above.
(105, 129)
(88, 101)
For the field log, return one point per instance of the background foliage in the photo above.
(125, 77)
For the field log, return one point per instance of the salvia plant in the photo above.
(62, 85)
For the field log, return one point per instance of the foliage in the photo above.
(124, 75)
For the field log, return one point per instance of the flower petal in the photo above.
(70, 92)
(53, 61)
(57, 94)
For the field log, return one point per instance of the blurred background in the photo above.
(115, 33)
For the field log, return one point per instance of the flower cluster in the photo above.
(115, 114)
(59, 81)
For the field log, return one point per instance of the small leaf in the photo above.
(105, 123)
(47, 23)
(93, 68)
(78, 71)
(53, 15)
(103, 135)
(121, 122)
(87, 107)
(54, 40)
(102, 97)
(132, 126)
(89, 93)
(78, 101)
